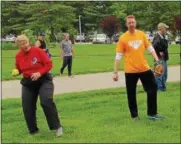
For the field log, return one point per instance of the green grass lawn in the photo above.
(98, 116)
(90, 58)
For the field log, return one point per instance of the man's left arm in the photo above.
(153, 53)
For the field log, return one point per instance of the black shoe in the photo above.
(61, 71)
(34, 132)
(162, 89)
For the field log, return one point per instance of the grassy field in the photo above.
(98, 116)
(90, 58)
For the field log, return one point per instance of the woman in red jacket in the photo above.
(34, 65)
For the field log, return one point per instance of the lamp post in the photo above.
(80, 27)
(51, 29)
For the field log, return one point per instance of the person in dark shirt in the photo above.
(42, 44)
(34, 65)
(160, 44)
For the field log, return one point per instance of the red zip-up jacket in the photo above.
(35, 60)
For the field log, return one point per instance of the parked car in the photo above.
(178, 40)
(116, 37)
(9, 38)
(150, 36)
(100, 38)
(89, 38)
(80, 38)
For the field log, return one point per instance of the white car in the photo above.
(149, 36)
(79, 38)
(100, 38)
(178, 40)
(9, 38)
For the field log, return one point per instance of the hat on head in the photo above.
(162, 25)
(41, 34)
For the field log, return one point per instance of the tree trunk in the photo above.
(110, 40)
(52, 35)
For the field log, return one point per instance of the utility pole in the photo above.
(80, 28)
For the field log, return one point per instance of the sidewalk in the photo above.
(64, 84)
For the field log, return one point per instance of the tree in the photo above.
(29, 34)
(110, 25)
(10, 16)
(177, 23)
(37, 16)
(92, 13)
(148, 14)
(62, 16)
(50, 15)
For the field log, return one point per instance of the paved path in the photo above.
(64, 84)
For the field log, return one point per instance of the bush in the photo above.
(47, 37)
(30, 35)
(59, 36)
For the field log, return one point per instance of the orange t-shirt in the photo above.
(133, 47)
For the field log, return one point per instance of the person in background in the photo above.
(160, 44)
(67, 54)
(42, 44)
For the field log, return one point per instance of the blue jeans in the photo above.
(48, 53)
(161, 81)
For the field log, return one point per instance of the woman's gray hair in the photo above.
(22, 38)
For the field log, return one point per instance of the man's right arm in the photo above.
(119, 54)
(117, 62)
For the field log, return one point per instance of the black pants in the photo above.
(43, 87)
(149, 84)
(67, 61)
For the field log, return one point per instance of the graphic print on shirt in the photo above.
(34, 60)
(135, 44)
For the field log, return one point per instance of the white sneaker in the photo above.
(59, 132)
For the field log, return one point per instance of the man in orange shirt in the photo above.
(132, 44)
